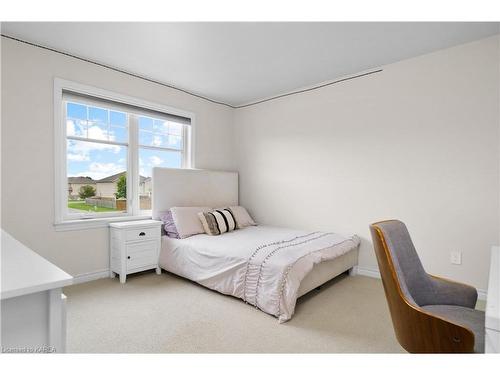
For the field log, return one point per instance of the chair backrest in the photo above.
(414, 282)
(406, 286)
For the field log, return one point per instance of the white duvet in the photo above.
(262, 265)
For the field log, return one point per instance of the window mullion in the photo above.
(92, 140)
(160, 148)
(183, 154)
(133, 169)
(186, 152)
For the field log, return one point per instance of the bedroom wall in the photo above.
(28, 147)
(418, 142)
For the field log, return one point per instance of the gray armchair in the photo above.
(430, 314)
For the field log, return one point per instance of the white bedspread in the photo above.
(262, 265)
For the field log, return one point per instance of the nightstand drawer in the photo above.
(141, 247)
(141, 234)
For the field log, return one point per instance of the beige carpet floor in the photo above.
(166, 314)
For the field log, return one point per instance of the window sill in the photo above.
(94, 223)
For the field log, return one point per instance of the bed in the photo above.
(267, 267)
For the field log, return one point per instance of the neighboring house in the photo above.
(105, 187)
(75, 183)
(145, 186)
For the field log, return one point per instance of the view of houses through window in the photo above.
(98, 148)
(106, 194)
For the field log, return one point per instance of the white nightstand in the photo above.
(134, 247)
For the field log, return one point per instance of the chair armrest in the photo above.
(448, 292)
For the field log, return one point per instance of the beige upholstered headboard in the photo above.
(192, 187)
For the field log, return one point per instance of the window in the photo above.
(107, 148)
(161, 144)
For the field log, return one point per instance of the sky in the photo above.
(99, 160)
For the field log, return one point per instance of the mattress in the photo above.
(262, 265)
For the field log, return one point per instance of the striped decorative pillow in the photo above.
(217, 221)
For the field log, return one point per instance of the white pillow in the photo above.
(241, 217)
(186, 220)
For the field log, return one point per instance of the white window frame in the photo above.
(62, 221)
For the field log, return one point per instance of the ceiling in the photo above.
(239, 63)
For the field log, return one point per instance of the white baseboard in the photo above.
(91, 276)
(374, 272)
(358, 270)
(367, 271)
(481, 294)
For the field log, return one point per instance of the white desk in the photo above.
(492, 334)
(33, 306)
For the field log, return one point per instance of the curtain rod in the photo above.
(115, 69)
(311, 88)
(186, 91)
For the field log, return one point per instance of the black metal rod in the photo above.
(189, 92)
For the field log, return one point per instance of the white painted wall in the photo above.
(418, 142)
(28, 150)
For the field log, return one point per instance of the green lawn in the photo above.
(81, 205)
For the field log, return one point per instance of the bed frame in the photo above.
(198, 187)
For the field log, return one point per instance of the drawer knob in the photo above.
(128, 257)
(142, 234)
